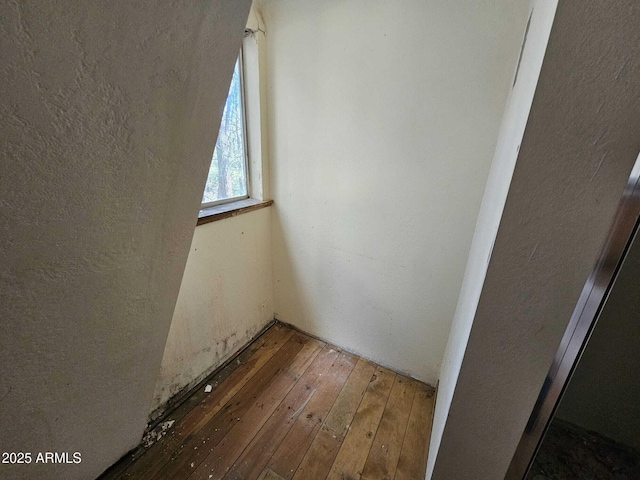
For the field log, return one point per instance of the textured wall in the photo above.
(580, 143)
(109, 117)
(514, 122)
(604, 390)
(383, 120)
(226, 297)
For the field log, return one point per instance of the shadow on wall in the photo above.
(331, 293)
(225, 300)
(381, 146)
(288, 286)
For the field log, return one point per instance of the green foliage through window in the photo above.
(227, 177)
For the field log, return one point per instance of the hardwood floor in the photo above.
(293, 407)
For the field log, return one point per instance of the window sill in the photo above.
(233, 209)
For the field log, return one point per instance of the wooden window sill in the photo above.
(233, 209)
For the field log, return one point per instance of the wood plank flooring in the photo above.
(293, 407)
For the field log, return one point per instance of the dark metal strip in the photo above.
(584, 318)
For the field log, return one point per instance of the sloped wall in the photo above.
(580, 143)
(108, 110)
(226, 295)
(511, 132)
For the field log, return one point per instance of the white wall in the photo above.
(107, 111)
(383, 121)
(225, 299)
(513, 125)
(579, 145)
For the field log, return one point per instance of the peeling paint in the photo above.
(157, 433)
(225, 299)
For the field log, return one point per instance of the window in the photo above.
(237, 179)
(228, 173)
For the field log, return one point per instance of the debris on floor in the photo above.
(208, 389)
(157, 433)
(569, 452)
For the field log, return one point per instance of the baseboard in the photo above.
(353, 352)
(163, 412)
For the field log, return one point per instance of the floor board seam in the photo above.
(282, 376)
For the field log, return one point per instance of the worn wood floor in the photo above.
(292, 407)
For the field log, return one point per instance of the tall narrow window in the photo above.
(227, 179)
